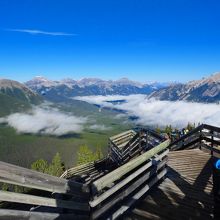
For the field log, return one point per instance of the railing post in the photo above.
(129, 151)
(147, 134)
(140, 142)
(212, 144)
(200, 139)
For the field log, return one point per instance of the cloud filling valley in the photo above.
(41, 120)
(161, 113)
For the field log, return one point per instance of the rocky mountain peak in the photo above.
(203, 90)
(18, 90)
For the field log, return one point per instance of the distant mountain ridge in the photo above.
(204, 90)
(18, 90)
(15, 96)
(67, 88)
(40, 81)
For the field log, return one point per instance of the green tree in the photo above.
(168, 129)
(84, 155)
(190, 126)
(40, 166)
(158, 130)
(56, 167)
(98, 154)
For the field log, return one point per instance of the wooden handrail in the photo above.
(16, 175)
(202, 136)
(195, 130)
(131, 177)
(43, 201)
(108, 179)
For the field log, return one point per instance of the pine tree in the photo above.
(158, 130)
(98, 154)
(56, 167)
(190, 126)
(85, 155)
(168, 129)
(40, 165)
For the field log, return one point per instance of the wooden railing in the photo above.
(135, 145)
(204, 136)
(20, 176)
(102, 189)
(129, 181)
(92, 190)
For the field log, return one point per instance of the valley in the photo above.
(15, 146)
(95, 116)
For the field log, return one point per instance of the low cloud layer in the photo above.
(45, 121)
(99, 127)
(154, 112)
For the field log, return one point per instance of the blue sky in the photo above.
(143, 40)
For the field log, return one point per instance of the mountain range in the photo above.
(15, 96)
(67, 88)
(205, 90)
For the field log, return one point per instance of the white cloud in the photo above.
(99, 127)
(120, 116)
(45, 121)
(37, 32)
(154, 112)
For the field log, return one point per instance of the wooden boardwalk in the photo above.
(136, 174)
(184, 194)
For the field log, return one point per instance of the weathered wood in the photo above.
(132, 141)
(42, 201)
(187, 144)
(212, 128)
(195, 130)
(115, 137)
(211, 141)
(186, 193)
(83, 171)
(131, 188)
(137, 196)
(210, 134)
(210, 148)
(124, 169)
(131, 149)
(117, 152)
(29, 178)
(125, 181)
(32, 183)
(200, 131)
(154, 134)
(83, 168)
(9, 214)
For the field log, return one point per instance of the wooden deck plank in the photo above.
(184, 194)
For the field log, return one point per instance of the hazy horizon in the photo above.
(108, 79)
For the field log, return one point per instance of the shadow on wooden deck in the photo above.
(186, 193)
